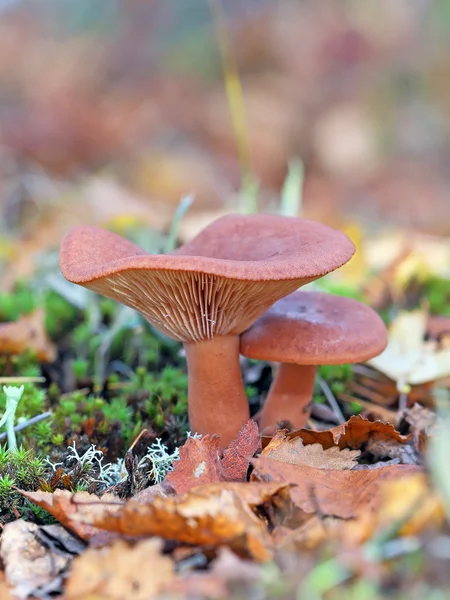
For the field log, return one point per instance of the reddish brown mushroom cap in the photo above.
(217, 284)
(313, 328)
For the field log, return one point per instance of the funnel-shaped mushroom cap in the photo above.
(217, 284)
(312, 328)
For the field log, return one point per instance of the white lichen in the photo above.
(161, 462)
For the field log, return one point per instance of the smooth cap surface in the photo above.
(217, 284)
(314, 328)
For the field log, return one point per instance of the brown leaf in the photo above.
(252, 493)
(27, 333)
(235, 461)
(66, 507)
(352, 434)
(217, 517)
(311, 533)
(29, 565)
(199, 463)
(273, 499)
(409, 504)
(294, 452)
(200, 460)
(120, 571)
(329, 492)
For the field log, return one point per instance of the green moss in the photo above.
(22, 469)
(154, 396)
(337, 377)
(57, 439)
(118, 410)
(24, 365)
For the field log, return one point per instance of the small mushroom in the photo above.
(207, 292)
(304, 330)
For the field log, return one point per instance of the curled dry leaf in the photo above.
(213, 517)
(69, 508)
(120, 571)
(27, 333)
(329, 492)
(200, 461)
(353, 434)
(294, 452)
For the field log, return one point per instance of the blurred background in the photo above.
(111, 111)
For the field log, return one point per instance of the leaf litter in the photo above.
(304, 488)
(296, 490)
(120, 571)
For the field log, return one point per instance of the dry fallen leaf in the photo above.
(235, 461)
(200, 463)
(29, 565)
(254, 494)
(408, 358)
(120, 571)
(329, 492)
(409, 503)
(353, 434)
(66, 506)
(294, 452)
(217, 517)
(27, 333)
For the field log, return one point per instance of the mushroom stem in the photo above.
(290, 396)
(216, 395)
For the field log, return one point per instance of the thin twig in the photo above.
(28, 423)
(331, 399)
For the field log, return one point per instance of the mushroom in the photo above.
(304, 330)
(207, 292)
